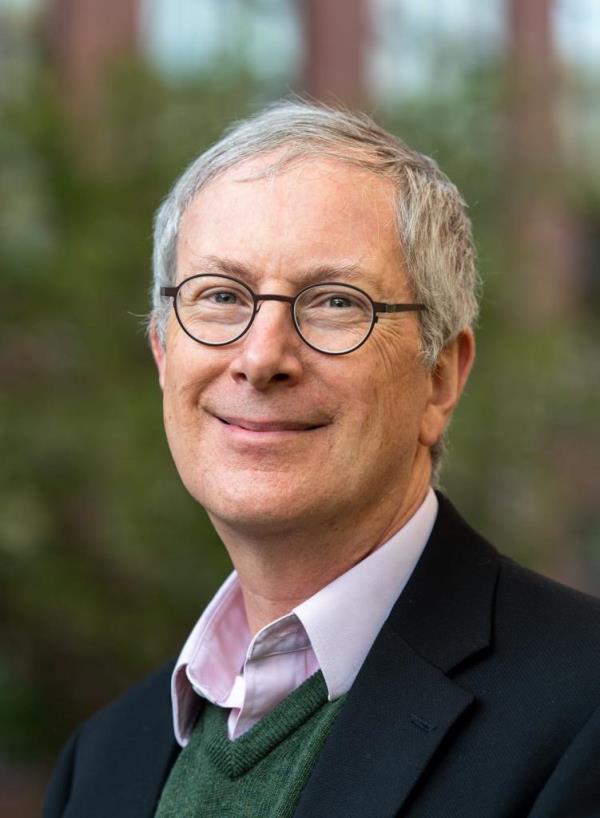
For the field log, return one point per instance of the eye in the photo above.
(337, 301)
(209, 295)
(224, 297)
(220, 297)
(321, 302)
(340, 302)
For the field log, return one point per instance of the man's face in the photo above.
(267, 432)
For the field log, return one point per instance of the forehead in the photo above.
(283, 219)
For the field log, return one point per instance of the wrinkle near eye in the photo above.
(395, 347)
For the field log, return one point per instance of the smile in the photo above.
(264, 426)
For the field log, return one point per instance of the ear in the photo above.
(448, 380)
(158, 353)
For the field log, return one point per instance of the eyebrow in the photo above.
(340, 271)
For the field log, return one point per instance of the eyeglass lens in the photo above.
(217, 310)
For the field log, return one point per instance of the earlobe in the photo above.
(158, 353)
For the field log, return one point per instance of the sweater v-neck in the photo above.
(237, 757)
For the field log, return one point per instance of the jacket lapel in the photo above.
(403, 703)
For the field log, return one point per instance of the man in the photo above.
(314, 296)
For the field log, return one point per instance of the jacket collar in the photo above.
(446, 610)
(403, 704)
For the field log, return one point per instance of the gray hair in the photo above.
(434, 230)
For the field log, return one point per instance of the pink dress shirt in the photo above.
(332, 630)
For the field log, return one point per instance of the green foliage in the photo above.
(91, 508)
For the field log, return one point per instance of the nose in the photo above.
(270, 352)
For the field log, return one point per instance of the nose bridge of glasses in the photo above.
(276, 322)
(259, 297)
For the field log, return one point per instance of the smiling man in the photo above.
(370, 656)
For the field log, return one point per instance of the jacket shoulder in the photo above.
(143, 705)
(117, 761)
(553, 614)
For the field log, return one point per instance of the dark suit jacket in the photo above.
(480, 698)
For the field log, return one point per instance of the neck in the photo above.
(280, 569)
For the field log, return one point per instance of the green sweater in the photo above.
(259, 775)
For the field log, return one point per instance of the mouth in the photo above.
(264, 426)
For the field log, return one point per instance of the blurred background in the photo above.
(105, 562)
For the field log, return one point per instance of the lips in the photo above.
(282, 425)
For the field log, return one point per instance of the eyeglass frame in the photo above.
(377, 307)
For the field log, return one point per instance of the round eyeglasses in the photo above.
(332, 318)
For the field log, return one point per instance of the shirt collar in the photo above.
(216, 648)
(343, 618)
(341, 622)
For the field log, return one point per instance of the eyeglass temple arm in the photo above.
(381, 307)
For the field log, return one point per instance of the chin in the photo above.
(259, 501)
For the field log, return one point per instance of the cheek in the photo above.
(395, 343)
(188, 368)
(187, 374)
(394, 366)
(398, 385)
